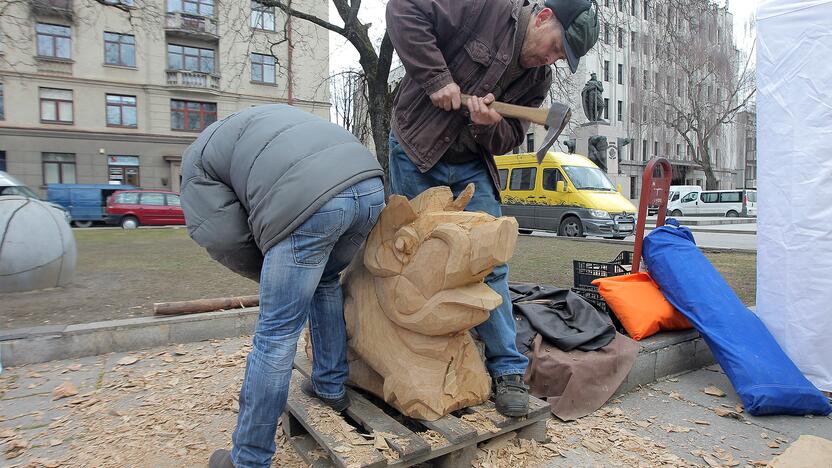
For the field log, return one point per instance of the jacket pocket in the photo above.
(472, 61)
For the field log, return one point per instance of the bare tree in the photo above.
(702, 81)
(348, 91)
(375, 62)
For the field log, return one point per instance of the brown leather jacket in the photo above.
(469, 42)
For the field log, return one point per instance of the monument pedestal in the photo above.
(613, 153)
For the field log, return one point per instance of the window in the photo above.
(523, 178)
(606, 70)
(2, 160)
(646, 79)
(655, 148)
(730, 197)
(191, 116)
(54, 41)
(152, 198)
(620, 74)
(689, 197)
(633, 7)
(193, 7)
(530, 143)
(121, 111)
(644, 150)
(620, 5)
(58, 168)
(173, 200)
(606, 33)
(123, 169)
(646, 8)
(620, 38)
(632, 40)
(262, 68)
(633, 111)
(56, 105)
(674, 196)
(620, 111)
(2, 106)
(127, 198)
(190, 58)
(606, 109)
(678, 150)
(667, 150)
(632, 76)
(503, 173)
(119, 49)
(711, 197)
(551, 177)
(262, 16)
(752, 196)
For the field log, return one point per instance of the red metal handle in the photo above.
(655, 187)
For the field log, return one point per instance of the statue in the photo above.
(598, 151)
(592, 98)
(413, 293)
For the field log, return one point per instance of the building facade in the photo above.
(95, 93)
(626, 61)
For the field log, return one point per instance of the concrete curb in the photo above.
(660, 356)
(632, 242)
(48, 343)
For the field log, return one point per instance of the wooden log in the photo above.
(205, 305)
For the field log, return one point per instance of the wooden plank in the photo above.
(306, 446)
(405, 442)
(449, 426)
(304, 409)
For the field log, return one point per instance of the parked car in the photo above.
(566, 193)
(132, 208)
(86, 203)
(698, 202)
(11, 186)
(676, 192)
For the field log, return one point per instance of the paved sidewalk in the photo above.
(171, 406)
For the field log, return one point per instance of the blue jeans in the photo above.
(498, 332)
(300, 279)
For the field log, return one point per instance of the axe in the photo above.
(553, 119)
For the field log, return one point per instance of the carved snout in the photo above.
(492, 244)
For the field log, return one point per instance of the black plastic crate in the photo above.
(591, 295)
(583, 272)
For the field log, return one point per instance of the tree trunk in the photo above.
(380, 108)
(711, 182)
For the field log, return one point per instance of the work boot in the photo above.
(338, 404)
(220, 459)
(511, 395)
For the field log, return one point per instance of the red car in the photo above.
(131, 208)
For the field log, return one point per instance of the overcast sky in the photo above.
(343, 55)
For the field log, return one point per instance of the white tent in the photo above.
(794, 180)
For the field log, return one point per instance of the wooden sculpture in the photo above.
(412, 295)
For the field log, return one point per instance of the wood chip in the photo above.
(6, 433)
(764, 435)
(674, 428)
(713, 391)
(738, 408)
(66, 389)
(55, 442)
(676, 396)
(127, 360)
(379, 443)
(44, 462)
(726, 413)
(591, 446)
(710, 461)
(644, 424)
(773, 445)
(499, 442)
(703, 423)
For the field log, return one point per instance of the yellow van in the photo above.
(566, 193)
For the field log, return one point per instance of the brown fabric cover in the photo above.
(577, 383)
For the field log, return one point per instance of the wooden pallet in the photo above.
(325, 438)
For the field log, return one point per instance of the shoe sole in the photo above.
(514, 412)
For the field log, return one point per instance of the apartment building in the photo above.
(113, 92)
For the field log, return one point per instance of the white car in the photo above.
(11, 186)
(693, 201)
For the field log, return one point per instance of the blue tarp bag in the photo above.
(766, 380)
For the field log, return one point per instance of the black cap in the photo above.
(580, 27)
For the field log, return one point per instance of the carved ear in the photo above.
(380, 252)
(462, 200)
(432, 200)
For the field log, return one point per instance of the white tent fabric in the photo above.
(794, 180)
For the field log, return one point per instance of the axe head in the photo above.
(559, 115)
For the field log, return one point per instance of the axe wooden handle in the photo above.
(537, 115)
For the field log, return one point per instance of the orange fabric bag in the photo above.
(639, 305)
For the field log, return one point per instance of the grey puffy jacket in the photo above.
(252, 178)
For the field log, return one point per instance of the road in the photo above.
(739, 237)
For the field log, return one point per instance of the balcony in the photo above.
(53, 8)
(193, 80)
(190, 26)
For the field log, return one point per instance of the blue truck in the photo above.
(86, 203)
